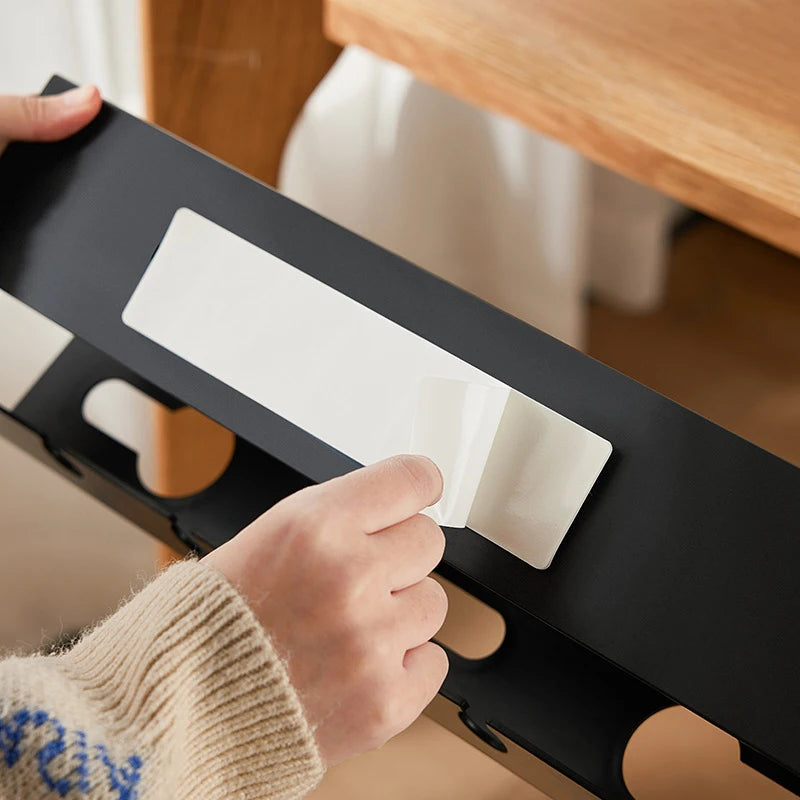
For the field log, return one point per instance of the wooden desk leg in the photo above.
(191, 453)
(230, 78)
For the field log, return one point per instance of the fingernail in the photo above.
(78, 97)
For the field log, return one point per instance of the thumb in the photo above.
(46, 119)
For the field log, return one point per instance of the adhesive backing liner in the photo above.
(515, 471)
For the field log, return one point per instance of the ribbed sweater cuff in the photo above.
(186, 670)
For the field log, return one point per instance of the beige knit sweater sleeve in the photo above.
(178, 695)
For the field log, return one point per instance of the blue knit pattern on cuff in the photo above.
(36, 734)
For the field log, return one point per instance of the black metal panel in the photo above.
(681, 567)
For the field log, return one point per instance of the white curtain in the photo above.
(86, 41)
(518, 219)
(66, 560)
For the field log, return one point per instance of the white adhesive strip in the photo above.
(455, 424)
(515, 471)
(29, 343)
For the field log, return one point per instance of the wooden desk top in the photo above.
(697, 98)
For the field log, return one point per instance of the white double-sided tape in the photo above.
(515, 471)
